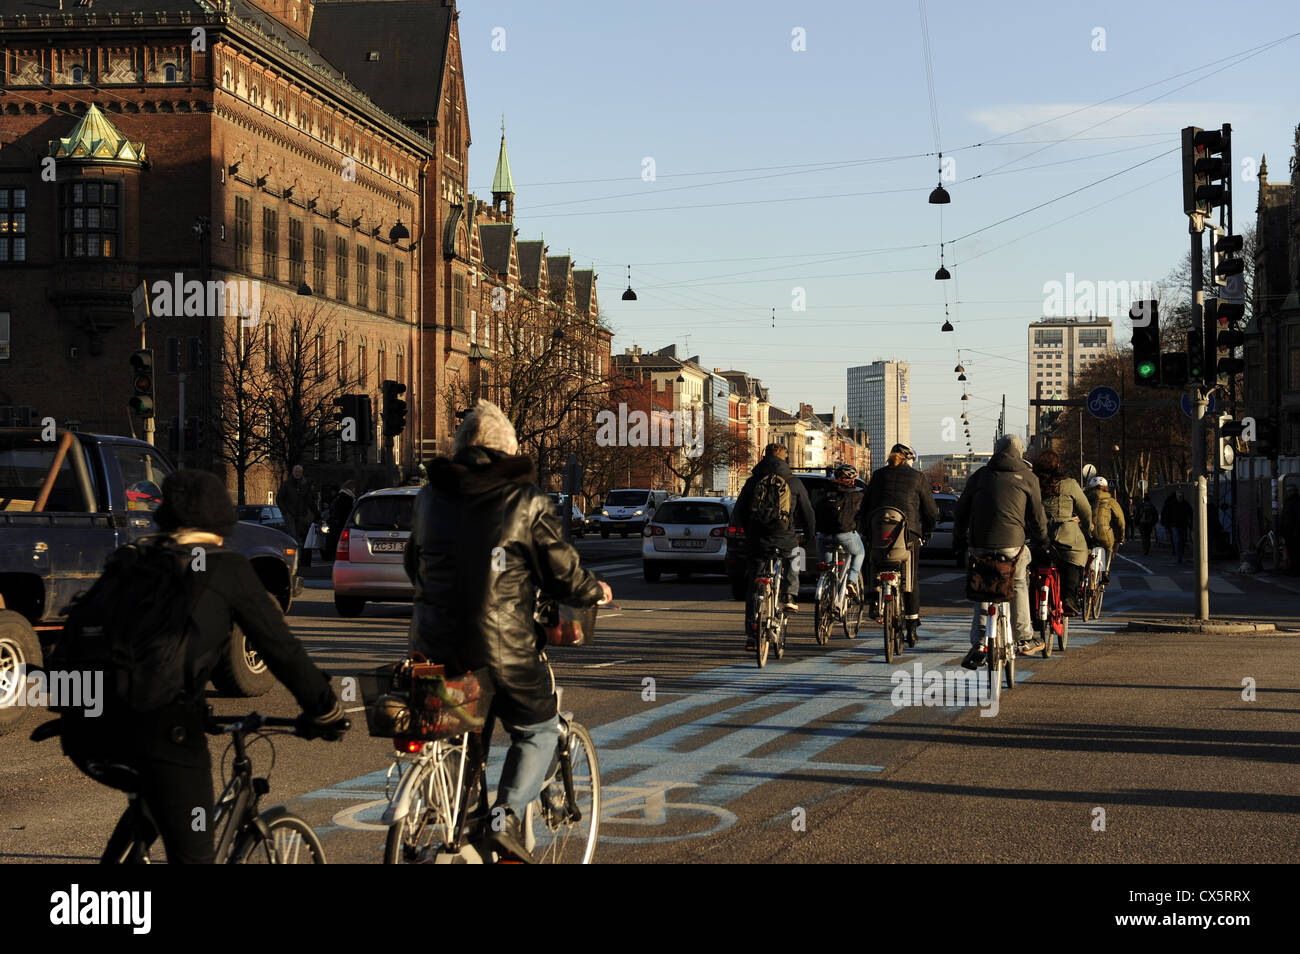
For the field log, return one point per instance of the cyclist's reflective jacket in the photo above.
(484, 539)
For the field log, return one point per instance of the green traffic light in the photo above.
(1147, 369)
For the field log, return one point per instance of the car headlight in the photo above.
(637, 513)
(604, 513)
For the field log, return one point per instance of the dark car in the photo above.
(816, 482)
(265, 514)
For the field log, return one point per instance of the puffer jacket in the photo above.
(1107, 520)
(756, 539)
(1001, 507)
(1069, 539)
(483, 540)
(906, 489)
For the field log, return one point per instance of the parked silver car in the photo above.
(368, 566)
(686, 535)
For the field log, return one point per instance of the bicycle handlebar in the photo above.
(218, 725)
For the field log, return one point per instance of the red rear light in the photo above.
(889, 577)
(718, 532)
(763, 580)
(411, 746)
(342, 552)
(823, 566)
(652, 530)
(735, 532)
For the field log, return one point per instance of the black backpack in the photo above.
(134, 626)
(773, 504)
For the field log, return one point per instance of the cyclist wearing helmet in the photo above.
(837, 516)
(900, 485)
(1107, 521)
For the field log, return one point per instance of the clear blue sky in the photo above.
(734, 119)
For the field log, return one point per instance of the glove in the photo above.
(328, 725)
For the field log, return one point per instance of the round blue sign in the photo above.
(1103, 402)
(1186, 405)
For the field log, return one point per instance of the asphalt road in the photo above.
(1129, 747)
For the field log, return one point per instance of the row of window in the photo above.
(319, 260)
(88, 217)
(317, 356)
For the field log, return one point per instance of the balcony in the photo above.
(107, 284)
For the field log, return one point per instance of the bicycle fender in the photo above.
(400, 806)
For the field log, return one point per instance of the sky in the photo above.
(764, 168)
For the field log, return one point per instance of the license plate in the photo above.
(387, 546)
(688, 544)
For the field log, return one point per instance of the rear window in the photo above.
(23, 466)
(626, 498)
(947, 510)
(384, 513)
(677, 512)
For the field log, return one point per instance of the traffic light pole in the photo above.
(1197, 397)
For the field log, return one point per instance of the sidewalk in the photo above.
(1153, 729)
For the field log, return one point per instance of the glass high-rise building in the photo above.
(880, 404)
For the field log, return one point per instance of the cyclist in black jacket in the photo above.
(837, 514)
(900, 485)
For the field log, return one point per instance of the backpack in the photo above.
(773, 504)
(887, 536)
(133, 625)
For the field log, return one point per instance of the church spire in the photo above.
(503, 185)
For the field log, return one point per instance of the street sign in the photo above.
(1142, 486)
(140, 304)
(1190, 411)
(1103, 402)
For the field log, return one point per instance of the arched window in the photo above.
(78, 75)
(252, 95)
(225, 79)
(169, 73)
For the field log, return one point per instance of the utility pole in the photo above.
(1197, 398)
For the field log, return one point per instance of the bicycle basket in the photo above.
(571, 626)
(417, 699)
(888, 536)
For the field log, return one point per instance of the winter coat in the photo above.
(295, 501)
(1001, 507)
(1176, 514)
(484, 540)
(758, 539)
(1148, 516)
(906, 489)
(340, 510)
(1107, 520)
(1069, 539)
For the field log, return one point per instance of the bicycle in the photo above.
(1049, 615)
(438, 804)
(1001, 647)
(248, 836)
(832, 600)
(1094, 586)
(767, 609)
(888, 596)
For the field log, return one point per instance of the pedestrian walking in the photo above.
(1147, 518)
(340, 510)
(1176, 517)
(296, 502)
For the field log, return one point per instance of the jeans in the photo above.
(852, 543)
(1180, 543)
(532, 747)
(1021, 622)
(789, 586)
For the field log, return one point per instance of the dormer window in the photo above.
(78, 75)
(169, 73)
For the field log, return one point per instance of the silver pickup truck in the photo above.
(65, 505)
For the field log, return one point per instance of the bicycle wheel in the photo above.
(824, 612)
(995, 669)
(562, 836)
(1267, 552)
(1046, 632)
(762, 615)
(780, 636)
(291, 842)
(891, 613)
(1101, 595)
(1010, 667)
(853, 618)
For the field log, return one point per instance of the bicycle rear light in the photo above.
(889, 577)
(763, 580)
(410, 746)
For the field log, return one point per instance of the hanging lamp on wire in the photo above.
(961, 377)
(947, 325)
(940, 195)
(942, 275)
(959, 369)
(629, 295)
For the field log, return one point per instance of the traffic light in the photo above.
(1222, 320)
(1225, 252)
(1146, 343)
(1195, 356)
(1229, 438)
(346, 417)
(1174, 369)
(142, 383)
(1207, 159)
(394, 408)
(1266, 437)
(365, 422)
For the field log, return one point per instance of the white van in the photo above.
(629, 509)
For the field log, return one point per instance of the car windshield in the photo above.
(691, 512)
(625, 498)
(389, 512)
(947, 510)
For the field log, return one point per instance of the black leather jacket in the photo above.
(484, 539)
(906, 489)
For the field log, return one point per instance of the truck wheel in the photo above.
(243, 672)
(20, 652)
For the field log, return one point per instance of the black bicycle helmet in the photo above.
(846, 473)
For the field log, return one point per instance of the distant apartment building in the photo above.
(880, 403)
(1059, 349)
(957, 468)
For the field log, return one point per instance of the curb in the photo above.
(1211, 628)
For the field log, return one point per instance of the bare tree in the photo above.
(241, 412)
(715, 447)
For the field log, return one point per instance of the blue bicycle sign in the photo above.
(1103, 402)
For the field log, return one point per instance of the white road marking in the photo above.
(1134, 562)
(1163, 583)
(608, 566)
(612, 662)
(1220, 585)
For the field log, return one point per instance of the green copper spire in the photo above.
(96, 139)
(502, 183)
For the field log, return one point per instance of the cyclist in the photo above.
(999, 508)
(900, 485)
(771, 505)
(484, 540)
(837, 515)
(165, 750)
(1069, 521)
(1107, 523)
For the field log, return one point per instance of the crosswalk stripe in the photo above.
(1163, 584)
(1220, 585)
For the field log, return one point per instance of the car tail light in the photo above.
(652, 530)
(718, 532)
(342, 552)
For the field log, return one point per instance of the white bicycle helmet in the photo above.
(1098, 482)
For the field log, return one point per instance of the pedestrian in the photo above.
(1176, 517)
(1069, 521)
(1290, 526)
(484, 541)
(1147, 518)
(296, 503)
(340, 510)
(1000, 508)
